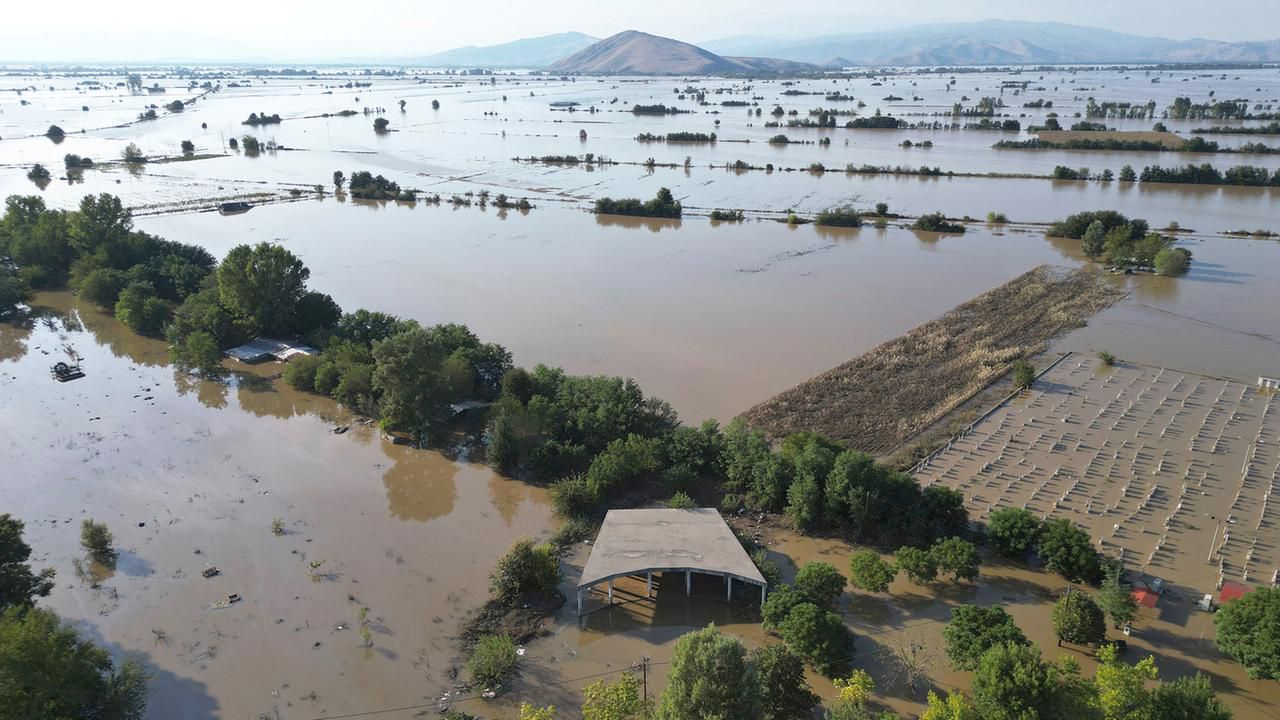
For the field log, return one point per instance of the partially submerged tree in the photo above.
(868, 571)
(710, 677)
(1013, 531)
(48, 671)
(97, 540)
(1078, 620)
(974, 629)
(1249, 632)
(784, 691)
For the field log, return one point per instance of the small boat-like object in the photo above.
(234, 208)
(65, 372)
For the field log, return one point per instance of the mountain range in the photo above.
(635, 53)
(536, 52)
(989, 42)
(996, 42)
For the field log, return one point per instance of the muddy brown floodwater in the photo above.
(190, 475)
(713, 318)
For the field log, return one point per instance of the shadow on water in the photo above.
(669, 613)
(133, 565)
(1208, 272)
(169, 695)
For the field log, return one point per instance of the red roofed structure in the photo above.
(1232, 590)
(1145, 598)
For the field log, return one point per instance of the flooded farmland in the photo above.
(712, 317)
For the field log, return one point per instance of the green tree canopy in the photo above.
(526, 568)
(1122, 688)
(868, 571)
(1013, 531)
(710, 677)
(619, 700)
(47, 671)
(917, 564)
(1077, 619)
(19, 586)
(1066, 550)
(1249, 632)
(1012, 682)
(956, 556)
(261, 286)
(1188, 698)
(819, 636)
(820, 583)
(1116, 598)
(784, 692)
(974, 629)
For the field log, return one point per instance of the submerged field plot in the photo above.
(878, 400)
(1172, 472)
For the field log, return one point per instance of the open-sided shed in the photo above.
(644, 542)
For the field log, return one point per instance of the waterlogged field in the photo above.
(713, 317)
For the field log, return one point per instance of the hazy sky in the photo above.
(146, 29)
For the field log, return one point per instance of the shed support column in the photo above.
(728, 588)
(688, 583)
(611, 592)
(763, 589)
(579, 603)
(648, 585)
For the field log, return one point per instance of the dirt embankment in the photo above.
(877, 401)
(1173, 141)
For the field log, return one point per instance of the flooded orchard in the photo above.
(713, 317)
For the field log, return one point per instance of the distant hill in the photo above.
(996, 42)
(636, 53)
(534, 52)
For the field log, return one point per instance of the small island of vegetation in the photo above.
(663, 205)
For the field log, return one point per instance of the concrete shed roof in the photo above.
(639, 541)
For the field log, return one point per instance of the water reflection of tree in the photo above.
(260, 396)
(626, 221)
(421, 484)
(211, 392)
(13, 337)
(507, 495)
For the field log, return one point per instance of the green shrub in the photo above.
(1024, 374)
(681, 501)
(839, 216)
(997, 218)
(300, 373)
(524, 570)
(97, 540)
(937, 222)
(1172, 261)
(492, 661)
(1107, 357)
(767, 567)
